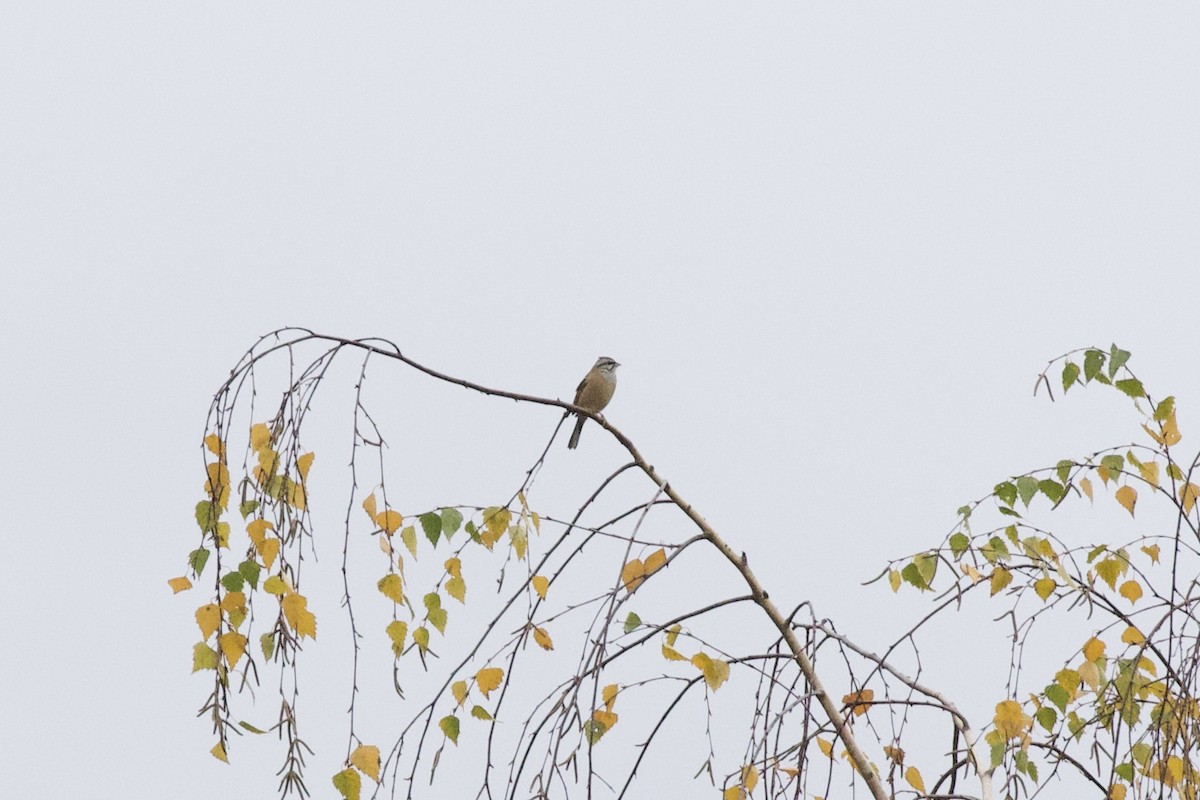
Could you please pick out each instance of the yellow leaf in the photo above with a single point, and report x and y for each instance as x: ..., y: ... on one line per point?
x: 1093, y: 649
x: 1001, y: 577
x: 716, y: 672
x: 543, y: 639
x: 1090, y: 675
x: 733, y: 793
x: 749, y: 777
x: 1188, y: 496
x: 1175, y: 768
x: 1104, y: 474
x: 861, y: 701
x: 257, y: 530
x: 303, y: 464
x: 1109, y: 570
x: 632, y: 574
x: 421, y: 637
x: 540, y: 585
x: 260, y: 436
x: 298, y: 497
x: 1116, y: 791
x: 1170, y: 429
x: 671, y: 654
x: 1011, y: 721
x: 368, y: 505
x: 233, y: 601
x: 397, y: 631
x: 894, y: 580
x: 179, y: 584
x: 1131, y: 591
x: 1086, y: 486
x: 1152, y: 551
x: 409, y: 537
x: 233, y: 645
x: 295, y: 611
x: 488, y: 679
x: 215, y: 445
x: 275, y: 585
x: 1068, y: 679
x: 1149, y: 472
x: 366, y: 758
x: 895, y: 754
x: 605, y: 718
x: 913, y: 776
x: 217, y: 485
x: 1127, y: 497
x: 609, y: 695
x: 655, y: 561
x: 1132, y: 636
x: 826, y: 747
x: 208, y: 617
x: 391, y: 588
x: 972, y: 573
x: 390, y: 521
x: 268, y: 551
x: 219, y: 752
x: 519, y: 537
x: 457, y: 588
x: 222, y: 534
x: 454, y: 567
x: 1044, y: 587
x: 673, y: 633
x: 459, y: 690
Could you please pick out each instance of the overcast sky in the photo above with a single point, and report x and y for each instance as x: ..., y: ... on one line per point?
x: 831, y: 244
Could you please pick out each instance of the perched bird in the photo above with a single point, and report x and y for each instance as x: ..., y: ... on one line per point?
x: 594, y: 392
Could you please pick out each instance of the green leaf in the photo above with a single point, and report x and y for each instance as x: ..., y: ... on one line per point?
x: 1125, y: 771
x: 1141, y: 753
x: 203, y: 657
x: 1031, y: 771
x: 1114, y: 463
x: 431, y: 523
x: 1075, y: 724
x: 995, y: 550
x: 449, y: 726
x: 479, y: 712
x: 593, y: 729
x: 1052, y: 489
x: 927, y: 564
x: 233, y: 581
x: 911, y: 575
x: 1070, y: 375
x: 348, y: 783
x: 1046, y: 717
x: 1063, y: 470
x: 197, y: 559
x: 1027, y: 487
x: 632, y: 622
x: 451, y: 520
x: 1163, y: 410
x: 1116, y: 359
x: 250, y: 571
x: 964, y: 512
x: 435, y: 612
x: 1131, y: 387
x: 1008, y: 512
x: 247, y: 726
x: 1058, y: 695
x: 247, y: 508
x: 959, y: 544
x: 267, y: 642
x: 207, y: 514
x: 473, y: 532
x: 1007, y: 492
x: 1093, y: 360
x: 997, y: 753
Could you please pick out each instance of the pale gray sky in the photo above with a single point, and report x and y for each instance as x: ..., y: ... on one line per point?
x: 832, y: 245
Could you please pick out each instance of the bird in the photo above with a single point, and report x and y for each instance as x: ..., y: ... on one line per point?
x: 594, y: 392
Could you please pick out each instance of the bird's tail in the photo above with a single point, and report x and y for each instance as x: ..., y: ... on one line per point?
x: 575, y: 433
